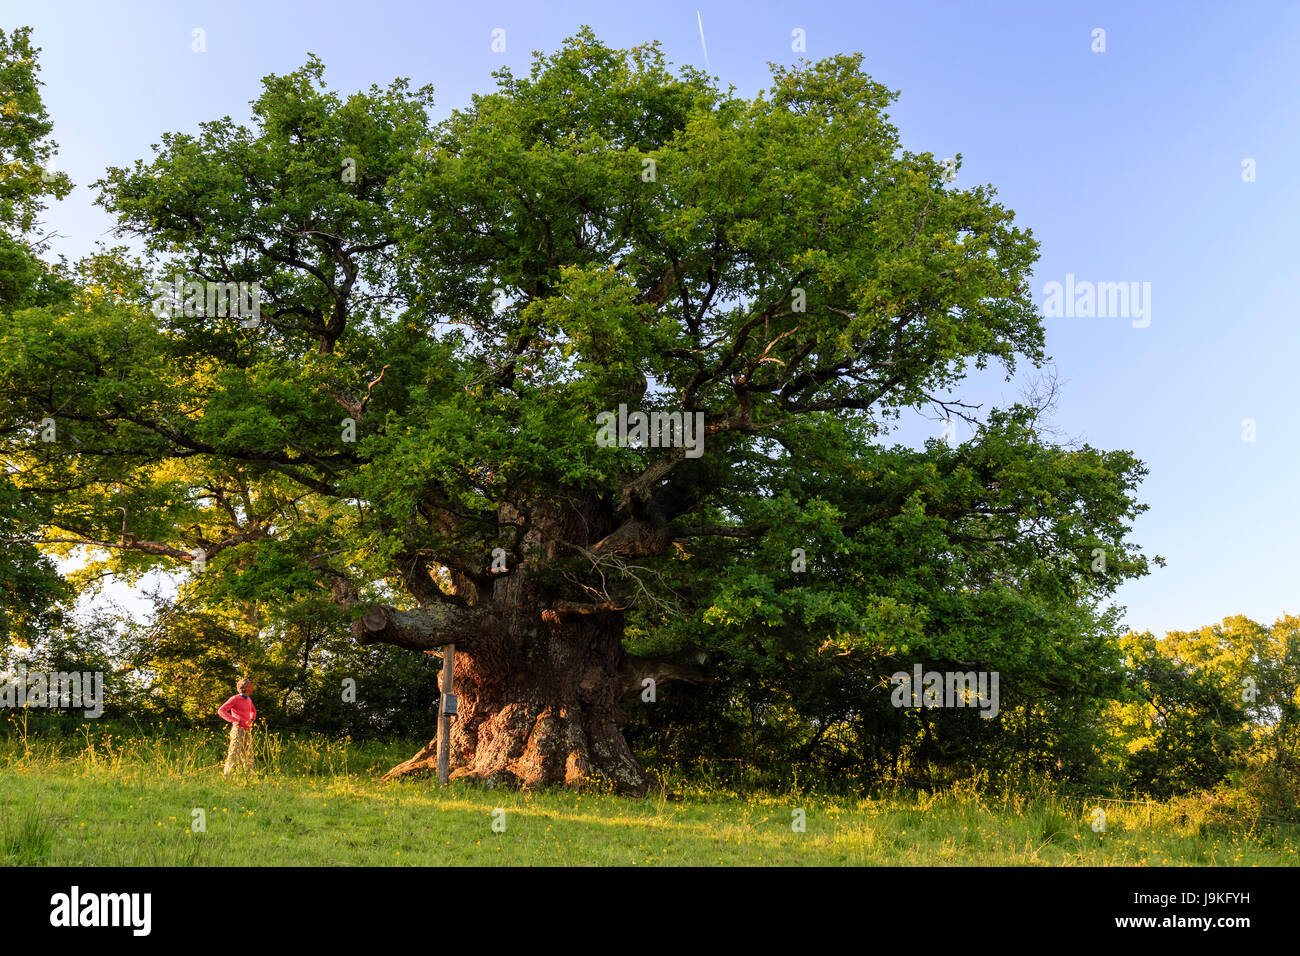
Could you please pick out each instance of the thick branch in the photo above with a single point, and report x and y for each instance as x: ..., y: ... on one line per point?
x: 423, y: 628
x: 687, y: 666
x: 634, y: 539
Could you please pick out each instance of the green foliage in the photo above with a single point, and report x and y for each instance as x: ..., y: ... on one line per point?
x: 32, y: 595
x: 1201, y: 702
x: 27, y: 177
x: 309, y: 671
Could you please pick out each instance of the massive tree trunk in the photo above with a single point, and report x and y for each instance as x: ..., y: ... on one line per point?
x: 539, y: 705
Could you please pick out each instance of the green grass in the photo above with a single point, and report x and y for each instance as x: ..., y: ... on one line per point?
x: 125, y: 801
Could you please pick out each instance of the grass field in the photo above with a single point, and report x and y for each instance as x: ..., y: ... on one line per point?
x: 131, y: 801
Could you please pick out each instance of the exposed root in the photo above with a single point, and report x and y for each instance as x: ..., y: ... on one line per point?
x: 525, y: 746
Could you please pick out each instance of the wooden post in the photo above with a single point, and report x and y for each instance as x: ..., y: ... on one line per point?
x: 444, y: 719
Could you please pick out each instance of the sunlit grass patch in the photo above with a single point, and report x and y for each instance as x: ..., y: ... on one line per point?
x: 115, y: 799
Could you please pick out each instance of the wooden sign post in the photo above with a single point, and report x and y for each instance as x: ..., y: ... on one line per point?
x: 444, y: 714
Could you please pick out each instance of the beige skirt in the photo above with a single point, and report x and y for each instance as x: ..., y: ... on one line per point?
x: 240, y: 754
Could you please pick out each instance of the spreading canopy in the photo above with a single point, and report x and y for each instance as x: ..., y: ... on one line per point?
x: 448, y: 309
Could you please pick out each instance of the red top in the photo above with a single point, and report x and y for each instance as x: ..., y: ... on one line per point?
x: 238, y: 710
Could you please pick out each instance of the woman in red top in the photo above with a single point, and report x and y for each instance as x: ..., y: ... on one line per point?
x: 240, y: 713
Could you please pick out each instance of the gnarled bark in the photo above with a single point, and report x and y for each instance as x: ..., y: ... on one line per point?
x: 539, y: 705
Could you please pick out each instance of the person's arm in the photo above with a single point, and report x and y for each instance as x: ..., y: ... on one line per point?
x: 224, y: 711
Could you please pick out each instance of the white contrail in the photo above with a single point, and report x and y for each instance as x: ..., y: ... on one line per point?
x: 702, y: 43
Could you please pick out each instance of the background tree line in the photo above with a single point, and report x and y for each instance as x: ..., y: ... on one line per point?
x: 1162, y: 716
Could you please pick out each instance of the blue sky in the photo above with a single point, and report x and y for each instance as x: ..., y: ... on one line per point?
x: 1127, y: 165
